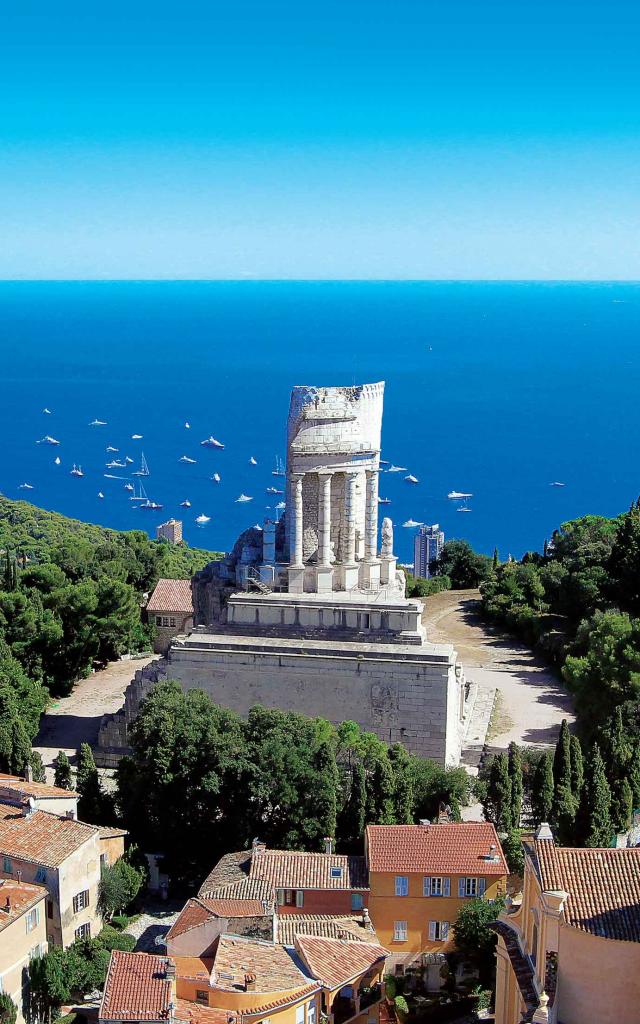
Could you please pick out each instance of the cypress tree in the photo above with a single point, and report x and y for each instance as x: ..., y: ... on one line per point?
x: 352, y: 818
x: 634, y: 776
x: 380, y: 809
x: 594, y: 819
x: 403, y: 790
x: 623, y: 812
x: 517, y: 786
x: 542, y: 790
x: 90, y: 795
x: 498, y: 809
x: 577, y: 768
x: 496, y: 559
x: 62, y: 767
x: 545, y: 549
x: 562, y: 760
x: 37, y: 767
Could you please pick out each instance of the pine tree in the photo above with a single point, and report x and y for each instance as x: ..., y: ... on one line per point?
x: 595, y: 827
x: 545, y: 549
x: 498, y: 807
x: 623, y: 812
x: 577, y: 768
x: 496, y: 559
x: 517, y: 787
x: 62, y: 768
x: 90, y: 796
x: 542, y: 790
x: 37, y: 767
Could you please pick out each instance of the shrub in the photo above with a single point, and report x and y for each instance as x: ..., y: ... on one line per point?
x: 390, y: 986
x: 402, y: 1007
x: 112, y: 939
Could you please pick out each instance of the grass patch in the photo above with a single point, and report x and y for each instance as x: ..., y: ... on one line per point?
x: 499, y: 721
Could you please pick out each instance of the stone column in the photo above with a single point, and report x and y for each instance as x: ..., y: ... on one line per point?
x: 296, y: 565
x: 350, y: 566
x: 370, y: 569
x: 324, y: 571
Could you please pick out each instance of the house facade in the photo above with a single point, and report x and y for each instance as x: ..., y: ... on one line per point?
x: 569, y: 950
x: 23, y: 936
x: 420, y: 876
x: 170, y: 609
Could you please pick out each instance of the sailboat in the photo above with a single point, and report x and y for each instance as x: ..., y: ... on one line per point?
x: 144, y: 468
x: 152, y: 506
x: 129, y: 487
x: 139, y: 495
x: 279, y: 470
x: 253, y: 461
x: 211, y: 442
x: 76, y: 471
x: 98, y: 423
x: 47, y: 439
x: 57, y: 460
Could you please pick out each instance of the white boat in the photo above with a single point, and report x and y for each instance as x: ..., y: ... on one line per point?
x: 411, y: 479
x: 98, y: 423
x: 100, y: 494
x: 556, y: 483
x: 459, y: 494
x: 25, y: 487
x: 110, y: 448
x: 202, y: 519
x: 129, y: 487
x: 113, y: 476
x: 76, y: 471
x: 397, y: 469
x: 256, y: 526
x: 464, y: 508
x: 151, y: 506
x: 139, y: 495
x: 187, y: 426
x: 384, y: 462
x: 252, y: 461
x: 116, y: 464
x: 274, y: 490
x: 47, y: 439
x: 279, y: 470
x: 46, y: 411
x: 185, y: 458
x: 244, y: 497
x: 185, y: 504
x: 281, y: 505
x: 57, y: 460
x: 216, y: 478
x: 211, y: 442
x: 127, y: 459
x: 144, y: 468
x: 410, y: 523
x: 136, y: 437
x: 384, y: 501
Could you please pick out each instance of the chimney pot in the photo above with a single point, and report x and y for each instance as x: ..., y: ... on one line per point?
x: 170, y: 970
x: 249, y: 982
x: 7, y: 905
x: 328, y: 844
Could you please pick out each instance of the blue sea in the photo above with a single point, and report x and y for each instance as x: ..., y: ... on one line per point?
x: 498, y: 389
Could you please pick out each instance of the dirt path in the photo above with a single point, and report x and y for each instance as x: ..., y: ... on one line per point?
x: 73, y: 720
x: 532, y: 701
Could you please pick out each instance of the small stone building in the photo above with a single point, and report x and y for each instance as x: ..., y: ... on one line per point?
x: 170, y: 531
x: 170, y: 608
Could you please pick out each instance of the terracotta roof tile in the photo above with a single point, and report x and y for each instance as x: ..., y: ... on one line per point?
x: 16, y: 898
x: 274, y: 968
x: 194, y: 1013
x: 247, y: 889
x: 41, y: 838
x: 171, y: 596
x: 451, y: 848
x: 38, y: 790
x: 232, y: 867
x: 197, y: 911
x: 335, y: 963
x: 326, y: 926
x: 136, y: 988
x: 108, y: 832
x: 287, y: 869
x: 603, y: 887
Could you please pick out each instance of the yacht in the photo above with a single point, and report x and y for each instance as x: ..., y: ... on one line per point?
x: 100, y: 494
x: 116, y: 464
x: 216, y: 478
x: 129, y: 487
x: 136, y: 437
x: 244, y: 497
x: 139, y: 495
x: 279, y: 470
x: 202, y: 519
x: 384, y: 501
x: 274, y: 490
x: 144, y: 468
x: 25, y: 487
x: 185, y: 504
x: 46, y: 411
x: 411, y: 479
x: 110, y: 448
x: 187, y: 426
x: 76, y: 471
x: 127, y: 459
x: 556, y: 483
x: 464, y: 508
x: 410, y: 523
x: 152, y: 506
x: 185, y: 458
x: 98, y: 423
x: 397, y: 469
x: 459, y: 494
x: 210, y: 442
x: 47, y: 439
x: 252, y: 461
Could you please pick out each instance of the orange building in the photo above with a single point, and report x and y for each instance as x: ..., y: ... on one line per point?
x: 420, y: 876
x: 569, y: 949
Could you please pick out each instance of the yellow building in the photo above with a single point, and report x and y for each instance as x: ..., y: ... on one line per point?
x: 23, y: 935
x: 419, y: 878
x: 569, y: 950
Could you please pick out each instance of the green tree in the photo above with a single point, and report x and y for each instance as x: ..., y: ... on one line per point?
x: 403, y: 782
x: 514, y: 851
x: 473, y: 936
x: 498, y: 799
x: 517, y: 787
x: 624, y: 564
x: 542, y: 790
x: 62, y: 768
x: 608, y: 672
x: 93, y: 806
x: 120, y: 883
x: 565, y: 805
x: 326, y: 783
x: 8, y: 1009
x: 496, y: 558
x: 462, y: 565
x: 562, y: 759
x: 15, y: 743
x: 595, y: 827
x: 37, y: 767
x: 352, y: 817
x: 577, y: 767
x: 49, y: 984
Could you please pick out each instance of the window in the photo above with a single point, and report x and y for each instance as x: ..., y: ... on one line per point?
x: 300, y: 1014
x: 311, y: 1013
x: 399, y: 931
x: 38, y: 950
x: 32, y: 919
x: 41, y: 875
x: 49, y: 909
x: 336, y: 872
x: 81, y: 901
x: 158, y: 620
x: 202, y: 996
x: 172, y: 621
x: 357, y: 901
x: 438, y: 931
x: 165, y: 620
x: 402, y: 885
x: 471, y: 886
x: 436, y: 886
x: 399, y: 969
x: 534, y: 944
x: 103, y: 861
x: 290, y: 897
x: 6, y: 866
x: 83, y: 932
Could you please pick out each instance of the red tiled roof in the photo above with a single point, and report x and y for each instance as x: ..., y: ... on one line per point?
x: 286, y: 869
x: 171, y: 596
x: 40, y: 837
x: 326, y: 926
x: 274, y: 968
x: 38, y: 790
x: 197, y: 911
x: 16, y: 898
x: 451, y: 848
x: 136, y: 988
x: 603, y: 887
x: 334, y: 962
x: 194, y: 1013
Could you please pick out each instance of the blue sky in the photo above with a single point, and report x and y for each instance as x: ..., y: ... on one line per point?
x: 344, y: 139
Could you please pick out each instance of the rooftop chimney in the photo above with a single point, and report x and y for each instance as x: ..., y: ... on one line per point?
x: 257, y: 844
x: 249, y: 982
x: 7, y: 905
x: 424, y: 821
x: 170, y: 969
x: 328, y: 844
x: 28, y: 807
x: 544, y: 832
x: 28, y: 773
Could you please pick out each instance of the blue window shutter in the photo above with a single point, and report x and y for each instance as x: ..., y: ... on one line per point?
x: 461, y: 887
x: 446, y: 886
x: 481, y: 886
x: 427, y: 886
x: 432, y: 931
x: 444, y: 927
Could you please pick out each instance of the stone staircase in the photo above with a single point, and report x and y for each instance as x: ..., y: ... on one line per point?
x: 521, y: 968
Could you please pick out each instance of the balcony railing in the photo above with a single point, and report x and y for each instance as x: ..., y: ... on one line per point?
x: 370, y: 995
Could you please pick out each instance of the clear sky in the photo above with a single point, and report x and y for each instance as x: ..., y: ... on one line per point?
x: 341, y: 139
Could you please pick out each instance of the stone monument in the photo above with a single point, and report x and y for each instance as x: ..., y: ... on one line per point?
x: 308, y: 614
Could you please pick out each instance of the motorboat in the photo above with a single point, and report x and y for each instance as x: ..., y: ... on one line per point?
x: 464, y: 508
x: 46, y: 411
x: 252, y: 461
x: 129, y: 487
x: 411, y: 523
x: 185, y: 458
x: 100, y: 494
x: 185, y: 504
x: 47, y: 439
x: 76, y: 471
x: 556, y: 483
x: 274, y: 490
x: 98, y: 423
x: 216, y: 478
x: 455, y: 495
x: 110, y: 448
x: 116, y: 464
x: 411, y: 479
x: 397, y: 469
x: 187, y: 426
x: 128, y: 460
x: 384, y: 501
x: 244, y: 497
x: 151, y: 506
x: 136, y: 437
x: 211, y: 442
x: 25, y: 487
x: 202, y: 519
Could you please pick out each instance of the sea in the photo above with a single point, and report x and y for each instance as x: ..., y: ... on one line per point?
x: 502, y: 390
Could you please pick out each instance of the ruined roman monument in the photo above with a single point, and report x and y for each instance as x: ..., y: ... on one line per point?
x: 309, y: 612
